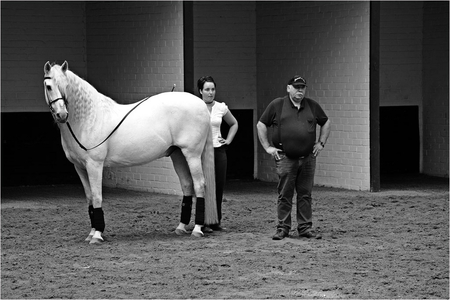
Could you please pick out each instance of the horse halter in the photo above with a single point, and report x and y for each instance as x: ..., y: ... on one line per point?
x: 50, y: 103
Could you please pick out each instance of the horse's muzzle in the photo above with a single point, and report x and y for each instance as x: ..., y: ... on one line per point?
x: 61, y: 117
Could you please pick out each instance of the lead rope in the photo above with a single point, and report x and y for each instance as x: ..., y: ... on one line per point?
x: 84, y: 148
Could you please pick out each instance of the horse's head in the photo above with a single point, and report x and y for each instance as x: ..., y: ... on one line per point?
x: 54, y: 91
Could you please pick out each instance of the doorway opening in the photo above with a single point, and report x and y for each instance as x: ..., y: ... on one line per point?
x: 240, y: 152
x: 399, y: 140
x: 32, y: 153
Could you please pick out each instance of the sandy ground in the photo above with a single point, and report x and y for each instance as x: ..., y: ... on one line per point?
x: 391, y: 244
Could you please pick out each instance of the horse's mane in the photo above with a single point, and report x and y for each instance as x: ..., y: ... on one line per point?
x: 81, y: 96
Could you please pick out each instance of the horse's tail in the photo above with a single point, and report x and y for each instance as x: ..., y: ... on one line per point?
x: 211, y: 216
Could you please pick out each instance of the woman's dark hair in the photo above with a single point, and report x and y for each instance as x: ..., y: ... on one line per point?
x: 201, y: 82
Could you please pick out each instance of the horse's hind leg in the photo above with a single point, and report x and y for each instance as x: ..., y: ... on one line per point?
x: 195, y: 167
x: 184, y: 175
x: 82, y: 173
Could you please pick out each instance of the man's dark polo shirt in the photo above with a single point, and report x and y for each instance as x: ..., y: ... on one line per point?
x: 298, y: 126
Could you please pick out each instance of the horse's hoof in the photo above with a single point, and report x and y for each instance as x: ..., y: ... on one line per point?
x: 197, y: 234
x: 89, y: 238
x: 96, y: 241
x: 180, y: 231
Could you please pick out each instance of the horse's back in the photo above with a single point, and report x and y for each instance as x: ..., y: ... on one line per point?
x: 178, y: 98
x: 183, y: 114
x: 173, y: 108
x: 180, y: 102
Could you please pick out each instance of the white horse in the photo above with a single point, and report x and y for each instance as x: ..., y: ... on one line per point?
x: 97, y: 132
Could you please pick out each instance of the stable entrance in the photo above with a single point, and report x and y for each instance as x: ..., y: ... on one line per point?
x: 399, y: 139
x: 240, y: 152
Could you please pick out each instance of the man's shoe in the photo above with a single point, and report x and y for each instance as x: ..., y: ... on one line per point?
x: 281, y: 234
x: 310, y: 235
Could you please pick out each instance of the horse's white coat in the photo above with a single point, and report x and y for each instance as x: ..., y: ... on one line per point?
x: 169, y: 119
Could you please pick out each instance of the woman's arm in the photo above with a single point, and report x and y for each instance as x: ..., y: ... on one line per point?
x: 233, y: 123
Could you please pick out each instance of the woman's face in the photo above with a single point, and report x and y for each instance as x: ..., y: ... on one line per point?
x: 208, y: 92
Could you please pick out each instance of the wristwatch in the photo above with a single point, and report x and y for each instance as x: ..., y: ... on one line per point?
x: 322, y: 144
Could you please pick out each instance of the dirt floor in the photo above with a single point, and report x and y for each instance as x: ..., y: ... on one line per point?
x: 390, y: 244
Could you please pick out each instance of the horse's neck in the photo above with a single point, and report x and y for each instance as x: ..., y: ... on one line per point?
x: 89, y: 110
x: 88, y: 106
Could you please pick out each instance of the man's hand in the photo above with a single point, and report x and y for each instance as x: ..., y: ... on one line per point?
x: 317, y: 148
x: 274, y: 152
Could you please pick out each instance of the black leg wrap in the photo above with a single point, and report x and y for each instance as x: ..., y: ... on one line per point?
x: 186, y: 208
x: 200, y: 211
x: 98, y: 220
x: 91, y: 215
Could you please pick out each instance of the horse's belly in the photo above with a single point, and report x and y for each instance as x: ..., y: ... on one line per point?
x: 136, y: 152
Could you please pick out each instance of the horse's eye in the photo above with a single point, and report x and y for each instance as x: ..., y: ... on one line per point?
x: 49, y: 88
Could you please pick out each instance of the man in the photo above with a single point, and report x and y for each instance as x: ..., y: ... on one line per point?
x: 294, y: 148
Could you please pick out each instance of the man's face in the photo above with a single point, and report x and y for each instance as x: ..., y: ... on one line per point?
x: 296, y: 93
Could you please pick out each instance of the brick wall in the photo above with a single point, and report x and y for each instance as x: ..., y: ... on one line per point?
x: 32, y: 34
x: 224, y: 47
x: 135, y: 48
x: 135, y: 51
x: 436, y: 88
x: 328, y: 44
x: 400, y: 53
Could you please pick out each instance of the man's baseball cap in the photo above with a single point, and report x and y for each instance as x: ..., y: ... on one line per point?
x: 297, y: 81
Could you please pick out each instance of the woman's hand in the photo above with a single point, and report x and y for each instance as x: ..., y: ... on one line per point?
x: 223, y: 141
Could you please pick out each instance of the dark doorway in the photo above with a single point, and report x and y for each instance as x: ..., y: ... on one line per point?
x: 240, y: 152
x: 399, y: 140
x: 31, y: 151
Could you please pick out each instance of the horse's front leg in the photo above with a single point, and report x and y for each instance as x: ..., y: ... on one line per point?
x: 95, y: 171
x: 82, y: 173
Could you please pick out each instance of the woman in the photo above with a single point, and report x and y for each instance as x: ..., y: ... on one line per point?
x: 219, y: 111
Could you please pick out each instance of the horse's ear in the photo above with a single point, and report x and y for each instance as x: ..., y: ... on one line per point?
x: 65, y: 66
x: 47, y: 67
